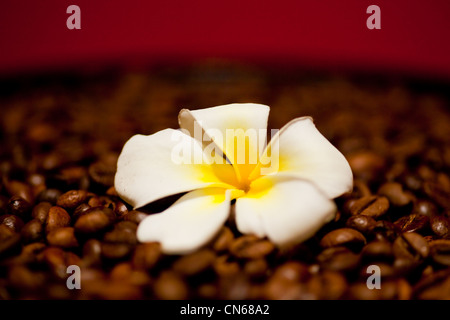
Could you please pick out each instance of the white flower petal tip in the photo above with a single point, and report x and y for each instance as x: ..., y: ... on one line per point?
x: 300, y: 150
x: 189, y: 223
x: 287, y: 211
x: 148, y: 168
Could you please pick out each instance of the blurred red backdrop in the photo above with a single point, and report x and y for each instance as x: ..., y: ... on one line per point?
x: 414, y: 35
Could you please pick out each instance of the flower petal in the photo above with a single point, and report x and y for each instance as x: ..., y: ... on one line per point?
x: 239, y: 131
x: 189, y: 223
x: 150, y: 167
x: 285, y: 210
x: 300, y: 150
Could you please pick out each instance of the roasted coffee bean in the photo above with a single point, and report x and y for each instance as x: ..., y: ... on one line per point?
x: 384, y: 230
x: 226, y: 267
x: 40, y: 211
x: 328, y: 285
x: 49, y: 195
x: 256, y: 269
x: 121, y: 235
x: 411, y: 246
x: 22, y: 278
x: 120, y: 208
x: 343, y: 236
x: 104, y: 170
x: 438, y: 193
x: 63, y: 237
x: 412, y: 223
x: 94, y: 221
x: 92, y: 253
x: 9, y: 244
x: 338, y: 259
x: 124, y: 272
x: 170, y: 286
x: 194, y: 263
x: 366, y: 165
x: 363, y: 224
x: 116, y: 251
x: 146, y: 255
x: 440, y: 252
x: 425, y: 208
x: 19, y: 206
x: 57, y: 218
x: 80, y: 210
x: 223, y: 240
x: 282, y: 290
x: 33, y: 231
x: 389, y: 290
x: 378, y: 251
x: 12, y: 221
x: 372, y: 206
x: 394, y: 192
x: 56, y: 260
x: 440, y: 226
x: 17, y: 189
x: 292, y: 271
x: 135, y: 216
x: 251, y: 247
x: 72, y: 199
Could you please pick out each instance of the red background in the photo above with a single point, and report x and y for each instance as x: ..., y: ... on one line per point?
x: 414, y: 38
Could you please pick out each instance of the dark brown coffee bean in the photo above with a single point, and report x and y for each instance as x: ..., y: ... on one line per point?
x: 343, y: 236
x: 223, y: 240
x: 40, y: 211
x: 328, y: 285
x: 338, y: 259
x: 366, y: 165
x: 412, y: 223
x: 413, y: 182
x: 438, y: 193
x: 384, y: 230
x: 256, y: 269
x: 440, y: 226
x: 440, y: 252
x: 63, y: 237
x: 121, y: 235
x: 93, y: 221
x: 378, y: 251
x: 411, y: 246
x: 116, y: 251
x: 104, y: 170
x: 92, y: 253
x: 292, y: 271
x: 22, y: 278
x: 80, y: 210
x: 377, y: 208
x: 9, y: 244
x: 251, y: 247
x: 394, y: 192
x: 225, y: 267
x: 363, y: 224
x: 57, y: 218
x: 124, y: 272
x: 194, y: 263
x: 426, y: 208
x: 17, y: 189
x: 12, y: 221
x: 19, y: 206
x: 372, y: 206
x: 283, y: 290
x: 146, y: 255
x: 49, y: 195
x: 170, y: 286
x: 120, y: 208
x: 135, y: 216
x: 55, y: 258
x: 5, y: 232
x: 72, y: 199
x: 33, y: 231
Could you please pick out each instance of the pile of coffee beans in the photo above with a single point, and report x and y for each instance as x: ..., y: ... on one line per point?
x: 61, y: 136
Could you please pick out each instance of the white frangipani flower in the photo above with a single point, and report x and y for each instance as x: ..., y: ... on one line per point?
x: 286, y: 194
